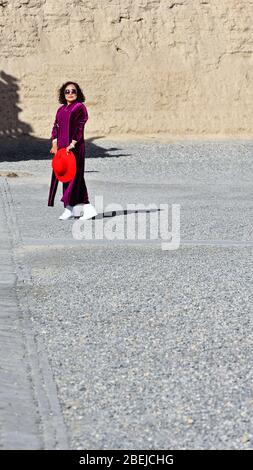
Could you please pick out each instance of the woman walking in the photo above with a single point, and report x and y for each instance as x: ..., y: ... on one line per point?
x: 68, y: 132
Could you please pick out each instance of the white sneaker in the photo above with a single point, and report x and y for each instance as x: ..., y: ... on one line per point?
x: 67, y: 214
x: 78, y: 210
x: 89, y: 211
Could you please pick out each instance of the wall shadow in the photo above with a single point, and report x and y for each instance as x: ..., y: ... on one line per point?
x: 16, y: 140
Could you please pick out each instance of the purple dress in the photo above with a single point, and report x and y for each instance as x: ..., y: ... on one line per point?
x: 69, y: 125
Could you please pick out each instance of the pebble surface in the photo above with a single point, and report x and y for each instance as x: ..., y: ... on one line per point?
x: 149, y: 349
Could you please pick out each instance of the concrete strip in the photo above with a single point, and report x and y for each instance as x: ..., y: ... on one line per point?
x: 30, y: 415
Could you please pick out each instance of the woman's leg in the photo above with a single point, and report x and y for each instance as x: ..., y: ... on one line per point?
x: 75, y: 191
x: 53, y: 189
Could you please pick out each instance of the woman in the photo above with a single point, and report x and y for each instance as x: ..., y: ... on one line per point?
x: 67, y: 131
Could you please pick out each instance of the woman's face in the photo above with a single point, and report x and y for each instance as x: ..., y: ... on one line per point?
x: 71, y: 95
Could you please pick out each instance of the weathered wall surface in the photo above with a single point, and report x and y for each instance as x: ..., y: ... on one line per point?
x: 145, y: 66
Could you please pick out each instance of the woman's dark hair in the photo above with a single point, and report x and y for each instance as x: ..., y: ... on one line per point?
x: 80, y: 96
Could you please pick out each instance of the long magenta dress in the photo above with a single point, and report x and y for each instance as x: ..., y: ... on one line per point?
x: 69, y: 125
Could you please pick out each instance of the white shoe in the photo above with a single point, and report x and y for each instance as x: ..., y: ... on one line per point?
x: 89, y: 211
x: 67, y: 214
x: 78, y: 210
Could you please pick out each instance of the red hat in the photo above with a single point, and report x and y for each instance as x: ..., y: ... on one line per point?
x: 64, y: 165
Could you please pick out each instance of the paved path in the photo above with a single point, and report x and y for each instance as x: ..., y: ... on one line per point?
x: 30, y: 416
x: 130, y: 346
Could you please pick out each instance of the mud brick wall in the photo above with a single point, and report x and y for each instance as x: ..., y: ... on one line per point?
x: 145, y: 66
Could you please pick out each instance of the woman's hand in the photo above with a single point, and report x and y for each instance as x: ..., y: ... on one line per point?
x: 71, y: 146
x: 54, y: 148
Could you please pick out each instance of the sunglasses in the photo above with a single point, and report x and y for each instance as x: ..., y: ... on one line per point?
x: 72, y: 92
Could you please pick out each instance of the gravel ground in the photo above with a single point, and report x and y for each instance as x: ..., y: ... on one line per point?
x: 149, y: 349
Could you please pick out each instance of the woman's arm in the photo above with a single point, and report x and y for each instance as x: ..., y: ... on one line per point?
x: 80, y: 120
x: 54, y: 132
